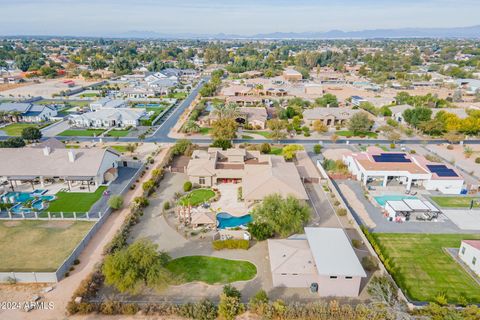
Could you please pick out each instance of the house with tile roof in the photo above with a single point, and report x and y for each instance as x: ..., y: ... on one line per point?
x: 26, y: 112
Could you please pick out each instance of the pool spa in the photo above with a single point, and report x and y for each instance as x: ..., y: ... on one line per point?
x: 382, y: 200
x: 227, y: 221
x: 27, y: 201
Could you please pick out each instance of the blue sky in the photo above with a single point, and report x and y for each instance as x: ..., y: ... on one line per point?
x: 109, y: 17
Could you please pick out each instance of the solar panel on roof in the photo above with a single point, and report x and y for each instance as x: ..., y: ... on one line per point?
x: 391, y: 157
x: 442, y: 170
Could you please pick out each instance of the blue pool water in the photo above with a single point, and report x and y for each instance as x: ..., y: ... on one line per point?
x: 147, y: 105
x: 226, y: 220
x: 381, y: 200
x: 19, y: 198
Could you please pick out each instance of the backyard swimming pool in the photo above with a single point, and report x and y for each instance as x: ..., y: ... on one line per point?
x: 381, y: 200
x: 35, y: 199
x: 226, y: 220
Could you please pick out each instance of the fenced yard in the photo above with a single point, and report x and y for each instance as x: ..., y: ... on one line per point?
x: 39, y: 246
x: 424, y: 270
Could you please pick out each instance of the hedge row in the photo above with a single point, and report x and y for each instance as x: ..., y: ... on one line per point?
x: 231, y: 244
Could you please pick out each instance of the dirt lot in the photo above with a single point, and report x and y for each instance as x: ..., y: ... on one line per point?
x: 46, y: 88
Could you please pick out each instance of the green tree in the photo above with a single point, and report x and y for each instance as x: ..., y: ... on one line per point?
x: 289, y: 151
x: 230, y: 305
x: 360, y: 122
x: 261, y: 230
x: 181, y: 147
x: 277, y: 127
x: 224, y: 129
x: 265, y: 148
x: 31, y: 133
x: 14, y: 142
x: 319, y: 126
x: 417, y: 115
x: 327, y: 100
x: 115, y: 202
x: 187, y: 186
x: 317, y: 148
x: 285, y: 215
x: 136, y: 266
x: 220, y: 143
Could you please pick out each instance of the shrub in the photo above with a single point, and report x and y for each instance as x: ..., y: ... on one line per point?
x: 240, y: 194
x: 441, y: 299
x: 257, y: 301
x: 260, y: 230
x: 166, y: 205
x: 392, y: 145
x: 76, y: 262
x: 231, y: 244
x: 187, y: 186
x: 477, y: 160
x: 231, y: 291
x: 317, y: 148
x: 115, y: 202
x: 336, y: 203
x: 142, y: 202
x: 356, y: 243
x: 265, y: 148
x: 204, y: 310
x: 370, y: 263
x: 129, y: 309
x: 450, y: 147
x: 341, y: 212
x: 229, y: 307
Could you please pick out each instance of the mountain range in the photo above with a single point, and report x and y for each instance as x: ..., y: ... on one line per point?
x: 457, y: 32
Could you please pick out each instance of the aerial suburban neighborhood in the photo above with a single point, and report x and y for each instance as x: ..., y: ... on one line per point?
x: 212, y: 176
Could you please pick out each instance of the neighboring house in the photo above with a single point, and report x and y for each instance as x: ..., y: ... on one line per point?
x: 245, y: 100
x: 95, y: 166
x: 374, y: 164
x: 470, y: 254
x: 138, y: 92
x: 27, y: 112
x: 397, y: 112
x: 471, y: 86
x: 292, y: 75
x: 323, y: 256
x: 377, y: 102
x: 331, y: 117
x: 107, y: 103
x: 107, y: 118
x: 256, y: 117
x: 357, y: 100
x: 259, y: 174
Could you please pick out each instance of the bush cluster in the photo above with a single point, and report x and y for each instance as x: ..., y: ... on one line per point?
x: 231, y: 244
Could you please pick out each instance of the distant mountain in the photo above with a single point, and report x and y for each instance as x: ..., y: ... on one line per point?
x: 460, y: 32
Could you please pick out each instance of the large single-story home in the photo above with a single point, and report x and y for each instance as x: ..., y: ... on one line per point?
x: 397, y: 112
x: 331, y: 117
x: 107, y: 118
x: 470, y: 254
x: 375, y: 101
x: 107, y: 103
x: 26, y: 112
x: 322, y: 257
x: 95, y: 166
x: 259, y: 174
x: 291, y: 75
x: 405, y: 169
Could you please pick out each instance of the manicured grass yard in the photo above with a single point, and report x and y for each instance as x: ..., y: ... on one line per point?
x: 456, y: 202
x: 247, y: 137
x: 118, y: 133
x: 211, y: 270
x: 38, y: 245
x: 265, y: 134
x: 276, y: 151
x: 15, y: 129
x: 424, y: 270
x: 205, y: 131
x: 197, y: 197
x: 347, y: 133
x: 75, y: 201
x: 81, y: 133
x: 120, y: 148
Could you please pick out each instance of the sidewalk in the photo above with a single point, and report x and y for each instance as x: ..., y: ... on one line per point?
x: 92, y: 255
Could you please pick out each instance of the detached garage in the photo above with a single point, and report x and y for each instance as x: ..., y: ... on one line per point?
x: 322, y: 258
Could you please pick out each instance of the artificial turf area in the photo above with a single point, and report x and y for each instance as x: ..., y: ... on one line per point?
x: 197, y: 197
x: 81, y: 133
x: 456, y: 202
x: 69, y: 202
x: 424, y: 270
x: 38, y: 245
x: 15, y: 129
x: 211, y: 270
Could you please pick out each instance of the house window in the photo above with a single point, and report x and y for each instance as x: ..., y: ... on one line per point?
x: 463, y: 250
x: 474, y: 260
x: 201, y: 180
x: 333, y: 277
x: 348, y: 277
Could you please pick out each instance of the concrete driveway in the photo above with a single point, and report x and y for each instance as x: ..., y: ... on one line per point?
x: 55, y: 129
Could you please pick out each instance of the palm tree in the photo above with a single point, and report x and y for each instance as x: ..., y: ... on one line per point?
x: 226, y: 111
x: 191, y: 127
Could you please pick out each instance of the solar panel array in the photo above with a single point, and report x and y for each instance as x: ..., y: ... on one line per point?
x: 441, y: 170
x: 391, y: 157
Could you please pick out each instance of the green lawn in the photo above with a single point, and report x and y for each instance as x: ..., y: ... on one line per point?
x: 177, y: 95
x: 118, y: 133
x: 81, y: 133
x: 347, y: 133
x: 38, y: 245
x: 423, y: 269
x: 89, y: 95
x: 276, y: 151
x: 211, y: 270
x: 15, y: 129
x: 74, y: 201
x: 205, y: 131
x: 72, y: 146
x: 456, y: 202
x: 247, y: 137
x: 120, y: 148
x: 197, y: 197
x: 265, y: 134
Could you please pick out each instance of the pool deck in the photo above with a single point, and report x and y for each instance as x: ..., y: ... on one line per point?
x: 228, y: 201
